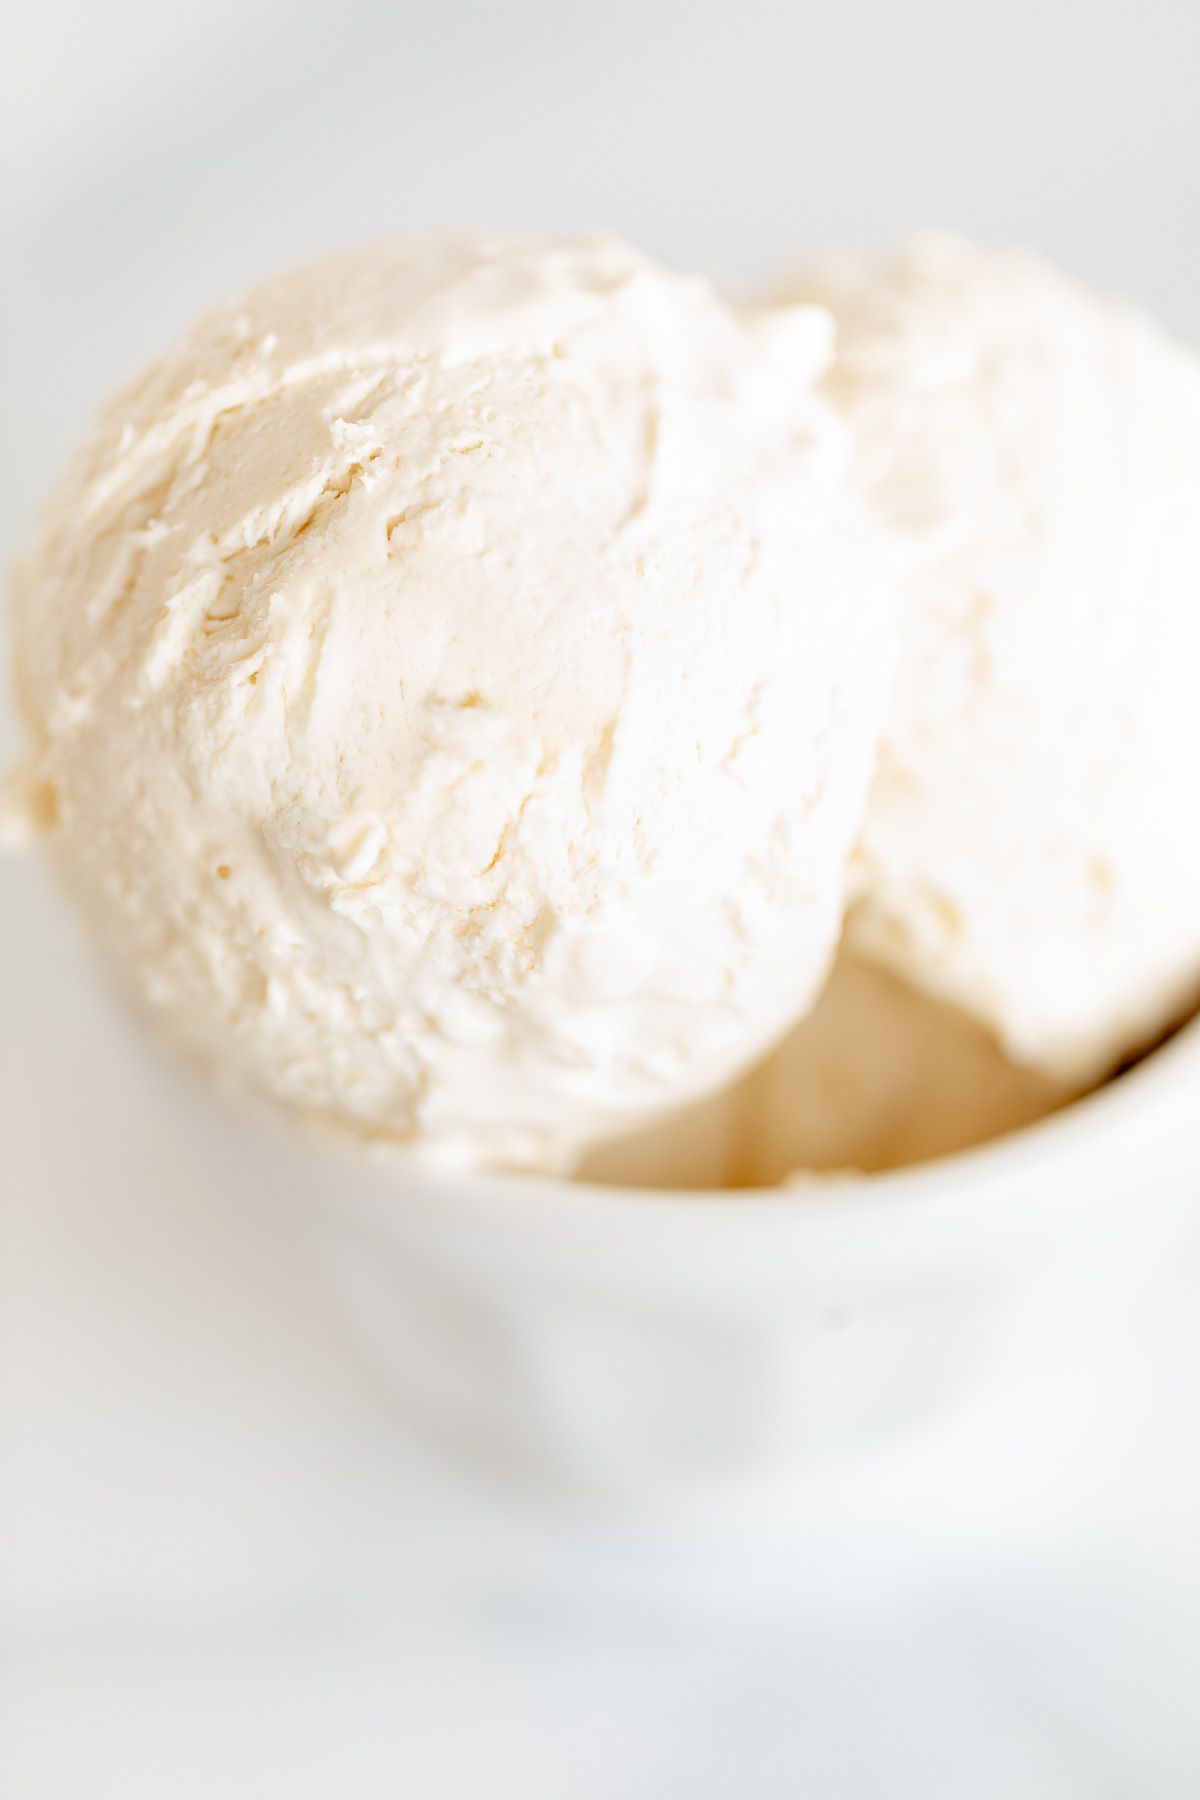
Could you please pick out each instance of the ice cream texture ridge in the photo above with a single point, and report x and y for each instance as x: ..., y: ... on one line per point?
x: 473, y: 685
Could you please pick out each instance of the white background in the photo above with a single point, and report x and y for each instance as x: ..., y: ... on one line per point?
x: 223, y: 1569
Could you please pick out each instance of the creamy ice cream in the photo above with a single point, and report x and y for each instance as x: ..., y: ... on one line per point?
x: 878, y: 1076
x: 454, y: 671
x: 1029, y: 852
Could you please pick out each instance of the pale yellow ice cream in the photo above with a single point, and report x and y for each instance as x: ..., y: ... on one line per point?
x: 454, y: 671
x: 878, y: 1076
x: 1030, y: 851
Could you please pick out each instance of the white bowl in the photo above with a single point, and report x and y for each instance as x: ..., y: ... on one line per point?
x: 680, y: 1352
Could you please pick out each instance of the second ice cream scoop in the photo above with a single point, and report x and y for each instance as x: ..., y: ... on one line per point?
x: 1030, y: 851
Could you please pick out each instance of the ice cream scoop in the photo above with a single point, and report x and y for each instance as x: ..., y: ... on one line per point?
x: 454, y: 672
x: 1030, y: 851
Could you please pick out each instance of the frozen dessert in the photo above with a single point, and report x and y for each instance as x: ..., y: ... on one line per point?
x: 454, y: 673
x: 879, y: 1076
x: 1029, y: 853
x: 462, y: 695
